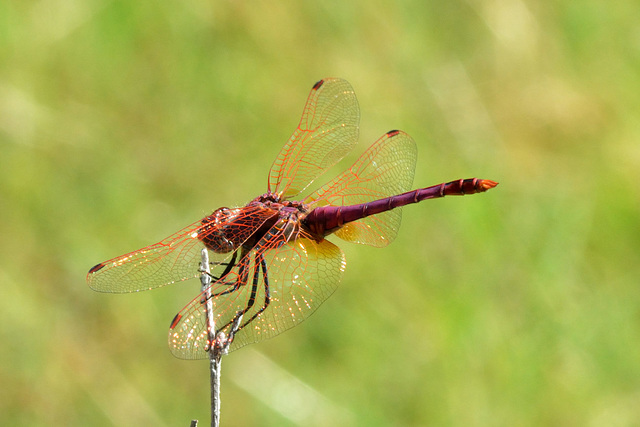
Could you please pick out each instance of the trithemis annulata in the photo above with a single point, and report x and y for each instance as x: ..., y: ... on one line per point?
x: 271, y: 259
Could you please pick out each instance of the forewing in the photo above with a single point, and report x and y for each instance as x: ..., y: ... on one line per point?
x: 385, y: 169
x: 174, y: 259
x: 301, y: 274
x: 328, y: 130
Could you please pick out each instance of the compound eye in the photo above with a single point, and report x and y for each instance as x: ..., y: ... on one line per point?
x: 216, y: 227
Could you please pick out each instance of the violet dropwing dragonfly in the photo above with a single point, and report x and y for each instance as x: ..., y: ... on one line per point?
x: 271, y: 261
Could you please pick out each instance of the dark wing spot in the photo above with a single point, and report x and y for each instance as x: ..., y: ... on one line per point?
x: 392, y: 133
x: 175, y: 321
x: 96, y: 268
x: 317, y: 85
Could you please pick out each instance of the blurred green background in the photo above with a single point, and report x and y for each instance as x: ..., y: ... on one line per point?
x: 122, y: 122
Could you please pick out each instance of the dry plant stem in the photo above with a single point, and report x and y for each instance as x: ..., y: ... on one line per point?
x: 215, y: 358
x: 219, y: 343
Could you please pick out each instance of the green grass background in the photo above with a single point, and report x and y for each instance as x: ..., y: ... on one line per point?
x: 121, y: 122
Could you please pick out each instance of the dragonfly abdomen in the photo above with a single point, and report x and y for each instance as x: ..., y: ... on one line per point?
x: 325, y: 220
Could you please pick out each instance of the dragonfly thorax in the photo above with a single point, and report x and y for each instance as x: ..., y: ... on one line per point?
x: 275, y: 202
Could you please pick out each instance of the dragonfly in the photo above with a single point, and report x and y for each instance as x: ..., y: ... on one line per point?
x: 272, y: 262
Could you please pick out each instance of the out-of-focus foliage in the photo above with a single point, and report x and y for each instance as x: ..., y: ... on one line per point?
x: 121, y: 122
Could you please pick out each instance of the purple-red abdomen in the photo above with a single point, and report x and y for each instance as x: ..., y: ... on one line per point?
x: 325, y: 220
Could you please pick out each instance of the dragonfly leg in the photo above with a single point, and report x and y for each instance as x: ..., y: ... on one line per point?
x: 241, y: 281
x: 259, y: 264
x: 267, y: 295
x: 228, y: 266
x: 254, y: 290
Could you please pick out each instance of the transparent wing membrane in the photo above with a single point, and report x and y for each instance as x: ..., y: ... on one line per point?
x: 384, y: 170
x: 328, y: 130
x: 174, y: 259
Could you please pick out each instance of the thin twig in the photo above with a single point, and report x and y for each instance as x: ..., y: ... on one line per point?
x: 215, y: 363
x: 218, y: 343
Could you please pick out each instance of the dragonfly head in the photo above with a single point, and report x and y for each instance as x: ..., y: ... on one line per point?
x: 214, y: 231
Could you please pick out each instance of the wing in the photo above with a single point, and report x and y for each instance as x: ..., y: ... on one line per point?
x: 384, y: 170
x: 282, y: 282
x: 328, y: 130
x: 177, y: 257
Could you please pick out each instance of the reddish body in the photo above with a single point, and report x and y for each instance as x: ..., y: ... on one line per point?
x: 271, y: 260
x: 323, y: 221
